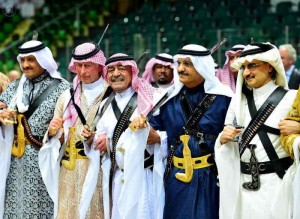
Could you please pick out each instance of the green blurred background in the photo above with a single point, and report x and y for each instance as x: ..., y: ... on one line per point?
x: 134, y: 26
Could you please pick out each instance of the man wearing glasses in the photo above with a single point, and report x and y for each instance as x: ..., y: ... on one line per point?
x: 254, y: 182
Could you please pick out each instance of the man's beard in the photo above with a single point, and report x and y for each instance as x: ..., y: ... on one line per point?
x: 162, y: 82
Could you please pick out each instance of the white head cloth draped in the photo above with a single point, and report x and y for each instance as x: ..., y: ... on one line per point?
x: 86, y: 52
x: 265, y: 52
x: 44, y: 57
x: 142, y: 87
x: 204, y: 64
x: 225, y: 75
x: 161, y: 58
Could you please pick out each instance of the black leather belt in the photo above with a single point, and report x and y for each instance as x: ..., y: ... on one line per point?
x: 78, y: 145
x: 198, y: 136
x: 148, y: 161
x: 267, y: 167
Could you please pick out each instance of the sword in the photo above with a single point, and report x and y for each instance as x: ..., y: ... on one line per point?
x: 218, y: 45
x: 53, y: 132
x: 103, y: 34
x: 154, y: 108
x: 142, y: 56
x: 35, y: 35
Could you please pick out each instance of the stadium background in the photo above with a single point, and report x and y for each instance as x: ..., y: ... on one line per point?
x: 136, y: 25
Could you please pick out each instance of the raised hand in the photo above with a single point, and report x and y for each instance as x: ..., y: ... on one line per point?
x: 101, y: 143
x: 228, y: 134
x: 288, y: 127
x: 55, y: 125
x: 7, y: 114
x: 138, y: 123
x: 88, y: 135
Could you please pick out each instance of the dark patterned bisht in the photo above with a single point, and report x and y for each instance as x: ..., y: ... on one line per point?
x: 26, y: 195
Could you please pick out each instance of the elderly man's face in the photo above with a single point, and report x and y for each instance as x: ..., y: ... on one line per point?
x: 162, y: 74
x: 30, y: 66
x: 256, y: 73
x: 286, y: 60
x: 88, y: 72
x: 119, y: 77
x: 188, y: 75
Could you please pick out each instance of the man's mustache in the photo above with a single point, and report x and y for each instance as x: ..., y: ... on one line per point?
x: 249, y: 77
x: 25, y: 69
x: 162, y: 74
x: 183, y: 73
x: 119, y: 78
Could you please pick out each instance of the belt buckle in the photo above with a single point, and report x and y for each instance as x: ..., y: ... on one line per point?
x: 261, y: 167
x: 247, y: 166
x: 199, y: 135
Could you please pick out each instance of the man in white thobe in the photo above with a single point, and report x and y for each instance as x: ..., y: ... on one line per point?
x: 132, y: 175
x: 254, y: 184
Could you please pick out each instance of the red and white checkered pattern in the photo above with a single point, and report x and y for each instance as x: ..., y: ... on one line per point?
x: 225, y: 75
x: 85, y: 48
x: 148, y: 73
x: 99, y: 58
x: 142, y: 87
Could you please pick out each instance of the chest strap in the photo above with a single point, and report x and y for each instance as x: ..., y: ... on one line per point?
x: 40, y: 99
x: 121, y: 126
x: 273, y: 99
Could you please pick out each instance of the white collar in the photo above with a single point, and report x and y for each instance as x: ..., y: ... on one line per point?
x: 93, y: 90
x: 267, y: 88
x: 127, y: 92
x: 95, y: 84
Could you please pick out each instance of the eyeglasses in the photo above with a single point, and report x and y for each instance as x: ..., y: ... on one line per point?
x: 251, y: 66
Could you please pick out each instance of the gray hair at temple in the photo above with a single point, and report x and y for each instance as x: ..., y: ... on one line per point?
x: 291, y: 52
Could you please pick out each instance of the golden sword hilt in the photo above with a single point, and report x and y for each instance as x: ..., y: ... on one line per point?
x: 18, y: 147
x: 188, y: 164
x: 12, y: 120
x: 137, y: 124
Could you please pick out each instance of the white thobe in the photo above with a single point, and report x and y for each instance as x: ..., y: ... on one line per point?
x: 134, y: 188
x: 235, y: 201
